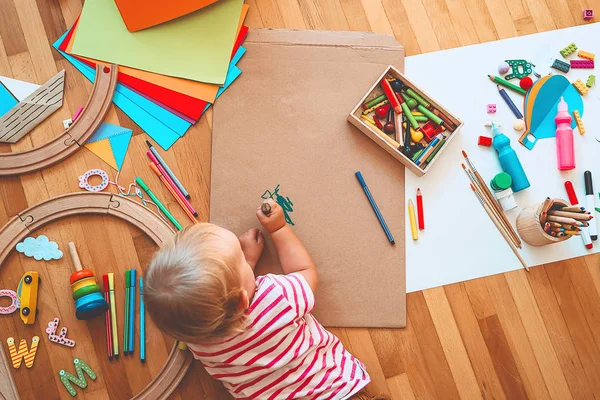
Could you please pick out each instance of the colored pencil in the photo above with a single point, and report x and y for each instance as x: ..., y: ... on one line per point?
x: 142, y: 322
x: 413, y: 222
x: 162, y: 208
x: 126, y: 315
x: 109, y: 348
x: 132, y: 281
x: 420, y: 210
x: 506, y: 84
x: 182, y: 201
x: 499, y: 226
x: 374, y: 206
x: 575, y: 208
x: 169, y: 172
x: 113, y: 314
x: 510, y: 103
x: 578, y: 216
x: 478, y: 181
x: 565, y: 220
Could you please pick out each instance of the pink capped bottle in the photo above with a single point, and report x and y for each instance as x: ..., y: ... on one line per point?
x: 565, y: 149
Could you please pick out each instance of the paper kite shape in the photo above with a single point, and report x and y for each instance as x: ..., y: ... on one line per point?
x: 110, y: 143
x: 40, y: 248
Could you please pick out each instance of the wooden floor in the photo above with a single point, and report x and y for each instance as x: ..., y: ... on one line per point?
x: 510, y: 336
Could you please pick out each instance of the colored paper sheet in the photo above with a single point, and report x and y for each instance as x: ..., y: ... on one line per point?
x: 161, y: 125
x: 196, y: 46
x: 233, y: 74
x: 186, y: 107
x: 7, y: 100
x: 142, y: 14
x: 199, y: 90
x: 110, y: 143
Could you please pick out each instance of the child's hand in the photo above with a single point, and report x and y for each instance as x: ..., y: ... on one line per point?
x: 275, y: 220
x: 253, y: 243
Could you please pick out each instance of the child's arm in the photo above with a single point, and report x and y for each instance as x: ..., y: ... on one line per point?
x: 291, y: 251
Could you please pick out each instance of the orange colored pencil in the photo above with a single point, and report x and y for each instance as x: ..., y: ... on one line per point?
x: 173, y: 193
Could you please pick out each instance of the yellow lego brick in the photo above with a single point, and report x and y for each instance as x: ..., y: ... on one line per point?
x: 586, y: 55
x: 580, y: 86
x: 579, y: 122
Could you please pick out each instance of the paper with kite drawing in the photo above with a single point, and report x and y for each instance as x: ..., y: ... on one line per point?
x: 22, y: 118
x: 280, y: 132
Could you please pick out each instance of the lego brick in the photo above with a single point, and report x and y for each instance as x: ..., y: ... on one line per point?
x: 484, y: 141
x: 579, y: 122
x: 590, y: 81
x: 561, y: 65
x: 588, y: 14
x: 582, y: 63
x: 570, y: 49
x: 491, y: 108
x: 586, y: 55
x: 580, y: 86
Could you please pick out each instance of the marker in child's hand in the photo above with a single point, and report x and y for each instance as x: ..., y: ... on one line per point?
x: 265, y: 208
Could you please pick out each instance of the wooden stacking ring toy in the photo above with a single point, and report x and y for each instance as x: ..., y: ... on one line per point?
x: 48, y: 211
x: 89, y: 301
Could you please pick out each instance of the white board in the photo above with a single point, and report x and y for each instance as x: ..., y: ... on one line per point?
x: 460, y: 242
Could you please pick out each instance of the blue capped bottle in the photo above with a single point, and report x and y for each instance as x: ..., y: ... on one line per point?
x: 509, y: 160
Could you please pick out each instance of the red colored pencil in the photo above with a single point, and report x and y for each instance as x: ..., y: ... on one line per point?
x: 420, y: 210
x: 108, y: 320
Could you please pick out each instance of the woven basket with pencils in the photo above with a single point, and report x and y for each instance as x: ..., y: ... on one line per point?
x: 530, y: 228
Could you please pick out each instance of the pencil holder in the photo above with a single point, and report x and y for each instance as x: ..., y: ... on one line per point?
x: 530, y: 228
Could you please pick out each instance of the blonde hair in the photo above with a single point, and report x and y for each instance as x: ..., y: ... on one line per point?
x: 193, y: 285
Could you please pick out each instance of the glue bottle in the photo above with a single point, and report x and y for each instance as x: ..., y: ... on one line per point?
x: 509, y: 161
x: 565, y: 151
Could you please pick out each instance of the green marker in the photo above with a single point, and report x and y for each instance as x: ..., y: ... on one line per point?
x: 418, y: 98
x: 409, y: 116
x: 430, y: 115
x: 162, y: 208
x: 506, y: 84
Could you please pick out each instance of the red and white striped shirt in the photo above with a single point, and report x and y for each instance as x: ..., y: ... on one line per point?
x: 283, y: 353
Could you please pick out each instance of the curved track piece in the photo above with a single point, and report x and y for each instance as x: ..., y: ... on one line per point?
x: 71, y: 204
x: 73, y: 138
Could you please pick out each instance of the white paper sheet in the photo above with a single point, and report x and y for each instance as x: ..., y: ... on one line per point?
x: 19, y: 89
x: 460, y: 242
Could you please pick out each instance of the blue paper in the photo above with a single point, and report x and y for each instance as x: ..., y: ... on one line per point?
x: 117, y: 136
x: 7, y: 100
x: 161, y: 125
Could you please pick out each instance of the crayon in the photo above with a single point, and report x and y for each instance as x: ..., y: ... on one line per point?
x: 506, y: 84
x: 417, y: 97
x: 413, y: 223
x: 391, y: 96
x: 509, y: 102
x: 430, y: 115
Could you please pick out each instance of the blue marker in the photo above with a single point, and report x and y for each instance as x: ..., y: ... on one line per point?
x: 509, y: 160
x: 142, y: 323
x: 130, y: 342
x: 375, y: 208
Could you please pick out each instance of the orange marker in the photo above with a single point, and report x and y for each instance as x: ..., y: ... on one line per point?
x: 389, y: 93
x: 173, y: 193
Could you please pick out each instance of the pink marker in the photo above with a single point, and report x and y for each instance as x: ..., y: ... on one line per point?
x: 77, y: 114
x: 565, y: 149
x: 187, y: 203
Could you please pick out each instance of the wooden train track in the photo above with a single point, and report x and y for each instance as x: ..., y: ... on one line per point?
x: 71, y: 204
x: 73, y: 138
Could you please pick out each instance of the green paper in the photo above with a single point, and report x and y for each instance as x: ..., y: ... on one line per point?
x: 196, y: 46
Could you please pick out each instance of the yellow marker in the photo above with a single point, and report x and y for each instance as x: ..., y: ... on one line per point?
x: 413, y: 220
x: 113, y: 313
x: 579, y: 122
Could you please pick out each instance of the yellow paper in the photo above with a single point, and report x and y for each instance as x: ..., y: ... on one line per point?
x: 196, y: 46
x: 198, y: 90
x: 103, y: 150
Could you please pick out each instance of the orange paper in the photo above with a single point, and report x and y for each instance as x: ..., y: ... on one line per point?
x: 142, y: 14
x: 198, y: 90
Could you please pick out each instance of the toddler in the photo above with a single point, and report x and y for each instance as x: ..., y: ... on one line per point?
x: 256, y: 335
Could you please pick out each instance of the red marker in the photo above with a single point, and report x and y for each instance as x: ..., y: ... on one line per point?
x: 420, y: 210
x: 109, y: 347
x: 571, y: 193
x: 389, y: 93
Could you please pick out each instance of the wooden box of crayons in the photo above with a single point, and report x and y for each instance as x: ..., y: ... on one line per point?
x: 412, y: 127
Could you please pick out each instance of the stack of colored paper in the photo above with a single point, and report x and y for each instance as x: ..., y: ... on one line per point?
x: 168, y: 74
